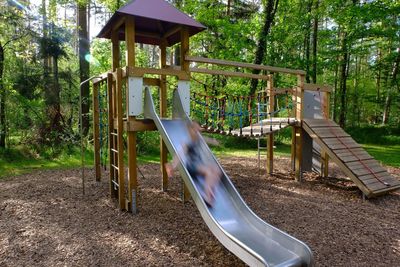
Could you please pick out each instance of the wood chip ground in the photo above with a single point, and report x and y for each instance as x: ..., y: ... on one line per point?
x: 45, y: 220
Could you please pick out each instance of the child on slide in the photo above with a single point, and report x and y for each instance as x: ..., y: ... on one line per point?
x: 197, y: 163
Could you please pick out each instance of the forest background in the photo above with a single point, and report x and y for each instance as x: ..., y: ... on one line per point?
x: 47, y: 47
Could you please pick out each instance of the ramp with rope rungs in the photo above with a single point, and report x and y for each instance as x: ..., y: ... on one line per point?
x: 362, y: 168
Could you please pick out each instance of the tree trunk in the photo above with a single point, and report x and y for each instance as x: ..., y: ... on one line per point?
x: 83, y: 50
x: 3, y: 127
x: 378, y: 88
x: 307, y: 41
x: 270, y: 11
x: 315, y: 43
x: 343, y: 80
x: 388, y: 101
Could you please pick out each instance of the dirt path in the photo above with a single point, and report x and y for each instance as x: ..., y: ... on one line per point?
x: 45, y: 220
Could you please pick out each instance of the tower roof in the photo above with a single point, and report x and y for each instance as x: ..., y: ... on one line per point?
x: 154, y: 19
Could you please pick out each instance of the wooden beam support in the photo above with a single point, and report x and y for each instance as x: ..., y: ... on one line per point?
x: 140, y: 72
x: 270, y: 137
x: 229, y: 73
x: 111, y: 145
x: 132, y: 200
x: 243, y: 65
x: 298, y: 130
x: 163, y: 114
x: 96, y: 131
x: 317, y: 87
x: 172, y: 31
x: 115, y: 50
x: 120, y: 142
x: 185, y: 68
x: 151, y: 82
x: 140, y: 125
x: 324, y: 155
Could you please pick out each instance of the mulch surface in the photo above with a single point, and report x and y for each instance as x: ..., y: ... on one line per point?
x: 46, y: 221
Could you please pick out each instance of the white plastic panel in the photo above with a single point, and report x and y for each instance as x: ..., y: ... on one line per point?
x: 135, y: 95
x: 184, y: 92
x: 312, y: 105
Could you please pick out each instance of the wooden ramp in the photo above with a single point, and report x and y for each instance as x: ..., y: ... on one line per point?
x: 362, y: 168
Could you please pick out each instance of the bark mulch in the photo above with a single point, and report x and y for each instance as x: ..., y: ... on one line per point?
x: 45, y: 220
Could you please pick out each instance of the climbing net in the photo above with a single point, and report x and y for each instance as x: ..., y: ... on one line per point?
x: 225, y: 113
x: 103, y: 122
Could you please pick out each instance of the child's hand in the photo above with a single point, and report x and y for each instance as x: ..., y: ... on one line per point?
x: 169, y: 169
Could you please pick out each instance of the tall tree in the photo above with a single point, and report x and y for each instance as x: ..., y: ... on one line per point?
x: 270, y: 10
x: 12, y: 29
x: 315, y: 42
x: 83, y: 51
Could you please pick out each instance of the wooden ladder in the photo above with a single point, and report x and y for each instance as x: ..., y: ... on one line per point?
x: 116, y: 146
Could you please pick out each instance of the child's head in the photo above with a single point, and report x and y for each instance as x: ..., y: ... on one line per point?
x: 193, y: 129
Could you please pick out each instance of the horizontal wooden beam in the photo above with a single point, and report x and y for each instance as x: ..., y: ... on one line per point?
x: 148, y: 34
x: 243, y: 65
x: 140, y: 72
x: 317, y: 87
x: 151, y: 81
x: 138, y: 125
x: 172, y: 31
x: 229, y: 73
x: 282, y: 91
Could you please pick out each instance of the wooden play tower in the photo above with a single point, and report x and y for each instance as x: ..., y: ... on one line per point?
x: 156, y: 22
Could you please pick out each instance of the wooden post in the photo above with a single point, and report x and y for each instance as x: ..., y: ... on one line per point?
x: 298, y: 129
x: 115, y: 50
x: 132, y: 203
x: 120, y: 141
x: 96, y: 131
x: 112, y: 110
x: 113, y: 193
x: 185, y: 67
x: 324, y: 155
x: 163, y: 114
x: 293, y: 146
x: 270, y: 137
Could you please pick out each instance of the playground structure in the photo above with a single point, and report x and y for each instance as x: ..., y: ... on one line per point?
x: 119, y: 94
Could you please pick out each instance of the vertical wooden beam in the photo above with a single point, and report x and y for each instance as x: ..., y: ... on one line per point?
x: 113, y: 193
x: 185, y: 67
x: 112, y: 111
x: 298, y: 129
x: 293, y: 146
x: 115, y: 50
x: 96, y: 131
x: 270, y: 137
x: 132, y: 203
x: 120, y: 142
x: 163, y: 114
x: 324, y: 155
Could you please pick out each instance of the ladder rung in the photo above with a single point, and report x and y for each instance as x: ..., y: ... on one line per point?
x: 115, y: 134
x: 114, y: 150
x: 115, y: 167
x: 115, y: 183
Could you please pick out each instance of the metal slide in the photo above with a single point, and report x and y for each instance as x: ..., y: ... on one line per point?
x: 230, y: 219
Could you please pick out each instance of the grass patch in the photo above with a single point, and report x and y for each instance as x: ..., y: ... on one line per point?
x: 19, y: 161
x: 388, y: 155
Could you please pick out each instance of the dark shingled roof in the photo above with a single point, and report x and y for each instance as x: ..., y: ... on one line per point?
x: 153, y: 18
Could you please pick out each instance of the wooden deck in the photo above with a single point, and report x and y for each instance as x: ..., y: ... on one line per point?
x: 366, y: 172
x: 263, y: 128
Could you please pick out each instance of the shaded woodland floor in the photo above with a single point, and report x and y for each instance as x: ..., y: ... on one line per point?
x: 45, y: 220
